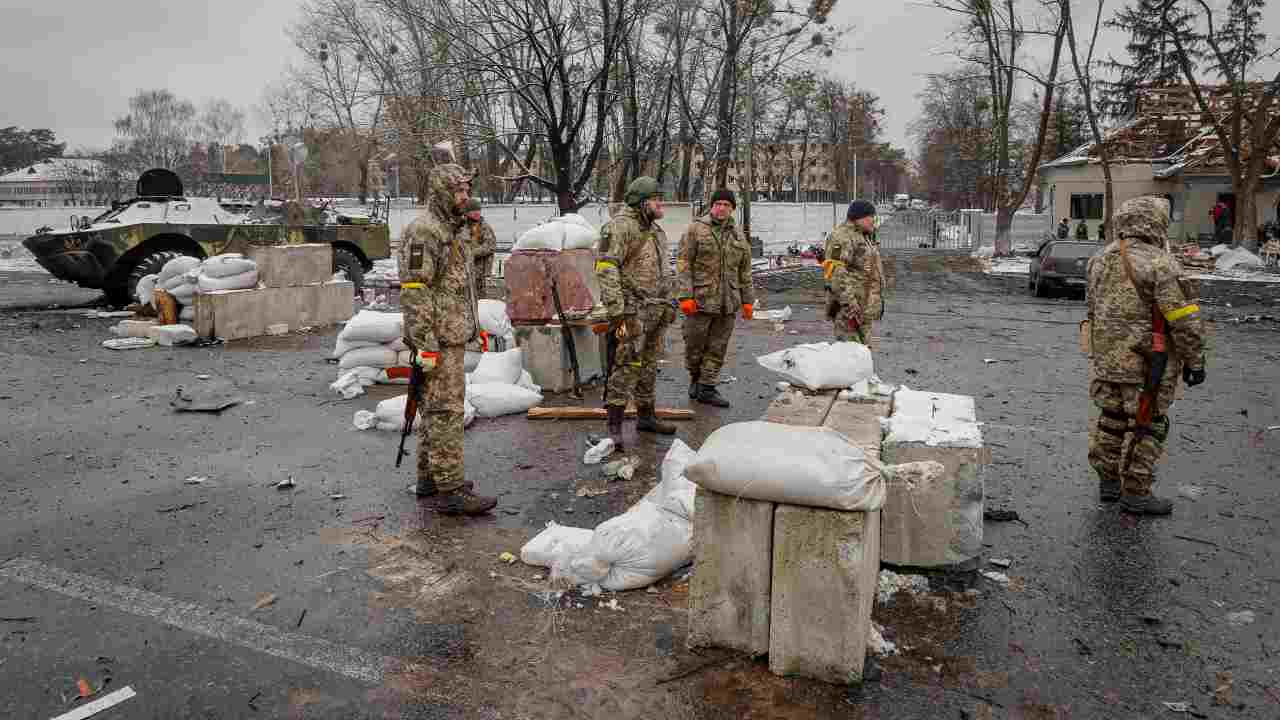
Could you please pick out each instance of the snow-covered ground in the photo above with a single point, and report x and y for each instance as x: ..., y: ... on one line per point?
x: 1022, y: 266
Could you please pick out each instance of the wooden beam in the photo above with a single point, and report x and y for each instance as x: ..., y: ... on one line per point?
x: 586, y: 413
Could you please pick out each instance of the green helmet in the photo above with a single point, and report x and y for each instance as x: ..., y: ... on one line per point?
x: 1145, y: 218
x: 641, y: 189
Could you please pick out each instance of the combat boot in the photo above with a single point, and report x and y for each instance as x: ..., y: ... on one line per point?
x: 1146, y: 505
x: 709, y: 395
x: 463, y: 502
x: 1108, y: 490
x: 647, y: 421
x: 427, y: 488
x: 616, y: 414
x: 693, y: 387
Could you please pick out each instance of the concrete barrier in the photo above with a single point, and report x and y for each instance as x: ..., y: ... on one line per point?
x: 729, y: 592
x: 292, y: 265
x: 239, y: 314
x: 546, y: 356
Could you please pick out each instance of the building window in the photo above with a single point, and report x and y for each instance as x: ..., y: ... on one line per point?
x: 1086, y: 207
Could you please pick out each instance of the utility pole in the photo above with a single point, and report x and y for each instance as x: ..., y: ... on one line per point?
x: 751, y: 146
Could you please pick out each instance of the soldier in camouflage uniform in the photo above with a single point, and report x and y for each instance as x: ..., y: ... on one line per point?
x: 483, y: 245
x: 1131, y: 280
x: 855, y: 275
x: 437, y: 295
x: 635, y: 290
x: 714, y: 268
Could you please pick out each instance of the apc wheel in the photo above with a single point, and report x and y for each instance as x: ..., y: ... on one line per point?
x: 346, y: 261
x: 1041, y: 290
x: 148, y: 265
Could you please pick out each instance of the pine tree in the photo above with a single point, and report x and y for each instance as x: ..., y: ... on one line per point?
x: 1153, y: 57
x: 1241, y: 39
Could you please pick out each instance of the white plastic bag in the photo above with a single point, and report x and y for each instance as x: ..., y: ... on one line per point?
x: 641, y: 546
x: 175, y: 267
x: 822, y: 366
x: 1237, y: 259
x: 146, y: 288
x: 543, y: 549
x: 493, y: 318
x: 526, y: 382
x: 373, y: 326
x: 598, y: 452
x: 676, y: 491
x: 782, y: 315
x: 497, y: 399
x: 244, y: 281
x: 378, y: 356
x: 797, y: 465
x: 503, y: 367
x: 391, y: 412
x: 364, y: 420
x: 170, y: 335
x: 227, y: 265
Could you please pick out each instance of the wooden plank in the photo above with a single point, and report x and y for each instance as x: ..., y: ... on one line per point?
x: 586, y: 413
x: 792, y: 407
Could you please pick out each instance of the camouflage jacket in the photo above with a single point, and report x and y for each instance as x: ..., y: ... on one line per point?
x: 437, y: 290
x: 482, y: 239
x: 714, y: 266
x: 1120, y: 314
x: 856, y: 275
x: 632, y: 266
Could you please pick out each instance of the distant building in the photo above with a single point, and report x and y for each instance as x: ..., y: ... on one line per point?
x: 60, y: 182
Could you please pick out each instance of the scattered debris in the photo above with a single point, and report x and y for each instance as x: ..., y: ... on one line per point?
x: 202, y: 377
x: 183, y: 506
x: 300, y: 617
x: 24, y: 618
x: 1000, y: 562
x: 1222, y: 688
x: 264, y: 600
x: 990, y: 360
x: 1190, y: 491
x: 278, y: 329
x: 891, y: 583
x: 876, y: 643
x: 507, y: 558
x: 88, y: 710
x: 1243, y: 617
x: 1002, y: 516
x: 623, y: 468
x: 86, y: 690
x: 1178, y: 707
x: 195, y: 480
x: 598, y: 452
x: 728, y: 380
x: 286, y: 483
x: 127, y: 343
x: 588, y: 492
x: 337, y: 496
x: 782, y: 386
x: 612, y: 604
x: 214, y: 401
x: 252, y: 699
x: 996, y: 577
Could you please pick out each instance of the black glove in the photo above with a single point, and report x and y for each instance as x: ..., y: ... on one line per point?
x: 1192, y: 376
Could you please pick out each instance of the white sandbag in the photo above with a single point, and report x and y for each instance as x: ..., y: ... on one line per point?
x: 244, y: 281
x: 556, y: 539
x: 227, y: 265
x: 503, y: 367
x: 364, y: 420
x: 373, y: 326
x: 1237, y: 259
x: 470, y: 361
x: 404, y: 358
x: 342, y: 347
x: 577, y: 237
x: 493, y: 318
x: 146, y: 286
x: 187, y: 313
x: 576, y: 219
x: 1218, y: 249
x: 547, y: 236
x: 132, y: 328
x: 175, y: 267
x: 468, y: 413
x: 377, y: 356
x: 352, y: 383
x: 391, y: 411
x: 822, y: 366
x: 526, y: 382
x: 782, y: 315
x: 176, y: 281
x: 797, y: 465
x: 641, y: 546
x: 183, y: 293
x: 497, y: 399
x: 170, y: 335
x: 676, y: 491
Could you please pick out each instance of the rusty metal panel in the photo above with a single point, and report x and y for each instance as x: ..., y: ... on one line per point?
x: 528, y: 276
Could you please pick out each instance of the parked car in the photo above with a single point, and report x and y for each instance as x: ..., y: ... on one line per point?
x: 1061, y: 265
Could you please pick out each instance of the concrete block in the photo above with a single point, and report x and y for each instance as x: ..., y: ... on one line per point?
x: 546, y: 356
x: 292, y: 265
x: 238, y: 314
x: 729, y: 591
x: 826, y: 565
x: 937, y: 523
x: 793, y: 407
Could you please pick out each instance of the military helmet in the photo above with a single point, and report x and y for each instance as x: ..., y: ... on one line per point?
x: 641, y: 189
x: 1145, y: 218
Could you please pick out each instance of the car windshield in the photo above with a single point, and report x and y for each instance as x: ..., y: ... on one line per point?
x: 1074, y: 250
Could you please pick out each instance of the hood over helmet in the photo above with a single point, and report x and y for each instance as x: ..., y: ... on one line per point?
x: 1144, y: 218
x: 445, y: 180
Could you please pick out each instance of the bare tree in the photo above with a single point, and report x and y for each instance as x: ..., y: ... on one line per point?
x: 158, y: 130
x: 1245, y: 113
x: 1084, y: 76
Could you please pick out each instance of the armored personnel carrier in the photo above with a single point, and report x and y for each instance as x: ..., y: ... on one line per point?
x: 137, y: 237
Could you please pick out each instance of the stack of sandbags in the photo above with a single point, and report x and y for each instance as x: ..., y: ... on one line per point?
x: 652, y: 539
x: 231, y: 271
x: 178, y: 277
x: 389, y: 415
x: 499, y: 385
x: 371, y: 345
x: 566, y: 232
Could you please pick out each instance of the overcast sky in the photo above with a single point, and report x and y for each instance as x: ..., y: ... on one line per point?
x: 71, y: 65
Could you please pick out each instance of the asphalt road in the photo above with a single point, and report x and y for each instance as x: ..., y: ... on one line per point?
x: 231, y: 598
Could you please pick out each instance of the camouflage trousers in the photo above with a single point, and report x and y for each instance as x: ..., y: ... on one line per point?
x: 870, y: 329
x: 1113, y: 434
x: 480, y: 272
x: 439, y: 425
x: 706, y: 342
x: 635, y: 368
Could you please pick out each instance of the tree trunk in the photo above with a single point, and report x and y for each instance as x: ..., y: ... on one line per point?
x: 686, y: 161
x: 1244, y: 230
